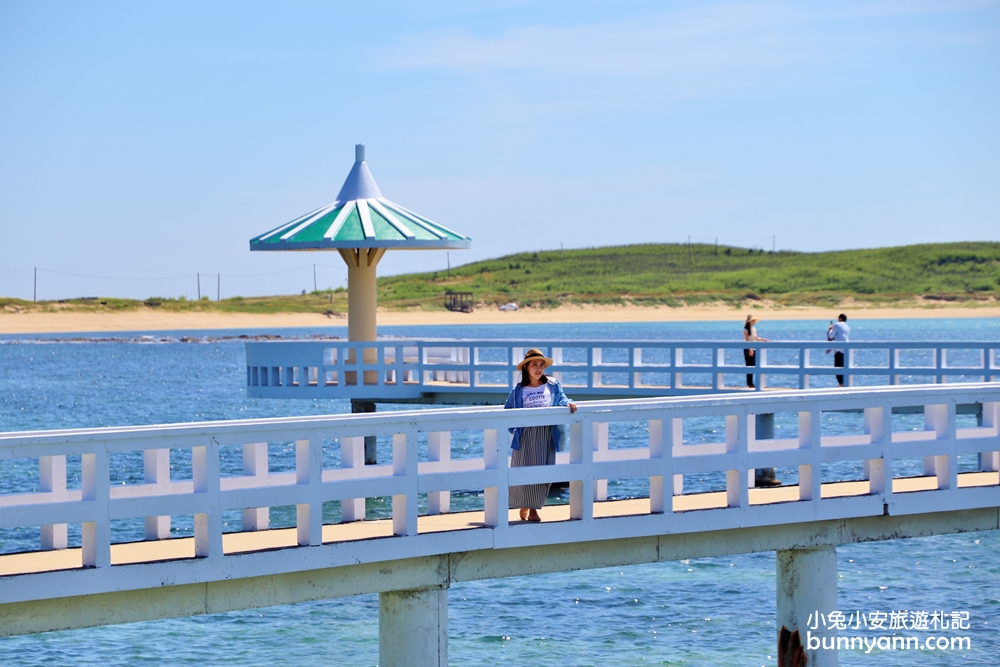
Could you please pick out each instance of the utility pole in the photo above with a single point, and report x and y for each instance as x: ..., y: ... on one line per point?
x: 35, y: 294
x: 774, y: 242
x: 689, y: 250
x: 315, y: 289
x: 716, y: 245
x: 199, y: 285
x: 218, y: 288
x: 562, y: 251
x: 448, y: 255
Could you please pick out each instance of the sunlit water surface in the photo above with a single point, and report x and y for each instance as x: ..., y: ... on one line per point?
x: 711, y: 611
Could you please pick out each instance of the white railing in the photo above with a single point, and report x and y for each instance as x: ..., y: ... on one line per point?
x: 410, y: 369
x: 594, y: 457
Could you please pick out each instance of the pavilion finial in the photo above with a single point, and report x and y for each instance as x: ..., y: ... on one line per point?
x: 359, y: 153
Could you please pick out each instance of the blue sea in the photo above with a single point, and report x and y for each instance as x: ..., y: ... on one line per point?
x: 711, y: 611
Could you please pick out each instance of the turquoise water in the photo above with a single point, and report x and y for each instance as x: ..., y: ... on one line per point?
x: 716, y: 611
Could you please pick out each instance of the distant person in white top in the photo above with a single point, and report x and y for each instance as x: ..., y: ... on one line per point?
x: 840, y: 332
x: 749, y: 354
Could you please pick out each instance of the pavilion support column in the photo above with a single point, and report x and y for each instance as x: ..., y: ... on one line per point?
x: 362, y: 304
x: 413, y: 628
x: 807, y: 586
x: 362, y: 292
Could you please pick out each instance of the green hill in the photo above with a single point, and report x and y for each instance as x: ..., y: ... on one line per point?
x: 685, y: 274
x: 649, y: 274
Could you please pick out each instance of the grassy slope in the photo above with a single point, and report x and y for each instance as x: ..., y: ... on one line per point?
x: 671, y: 274
x: 652, y: 274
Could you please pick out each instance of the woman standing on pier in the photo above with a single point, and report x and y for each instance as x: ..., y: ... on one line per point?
x: 534, y: 445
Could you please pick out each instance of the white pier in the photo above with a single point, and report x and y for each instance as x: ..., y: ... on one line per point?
x: 412, y: 557
x: 481, y: 371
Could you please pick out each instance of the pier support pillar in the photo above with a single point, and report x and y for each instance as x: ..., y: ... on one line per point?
x: 361, y: 407
x: 807, y: 586
x: 413, y: 628
x: 764, y: 431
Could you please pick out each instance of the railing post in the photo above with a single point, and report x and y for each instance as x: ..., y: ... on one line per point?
x: 596, y: 359
x: 878, y: 472
x: 676, y: 439
x: 52, y: 479
x: 737, y: 487
x: 661, y: 454
x: 600, y: 454
x: 156, y: 470
x: 557, y: 359
x: 804, y: 361
x: 807, y: 587
x: 495, y: 498
x: 96, y: 487
x: 990, y: 418
x: 413, y: 628
x: 255, y: 465
x: 404, y: 464
x: 439, y: 449
x: 207, y: 525
x: 810, y: 439
x: 581, y: 451
x: 941, y: 420
x: 309, y: 473
x: 352, y: 455
x: 657, y: 497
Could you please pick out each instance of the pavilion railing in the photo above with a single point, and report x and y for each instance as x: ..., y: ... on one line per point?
x: 406, y: 369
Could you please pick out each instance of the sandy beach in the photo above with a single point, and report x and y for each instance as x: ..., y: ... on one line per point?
x: 150, y: 320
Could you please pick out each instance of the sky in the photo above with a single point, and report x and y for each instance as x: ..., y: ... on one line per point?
x: 143, y: 144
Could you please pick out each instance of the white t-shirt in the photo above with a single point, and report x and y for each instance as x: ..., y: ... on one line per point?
x: 537, y: 397
x: 841, y: 333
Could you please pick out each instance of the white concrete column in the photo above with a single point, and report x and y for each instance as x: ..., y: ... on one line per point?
x: 413, y: 628
x: 807, y: 586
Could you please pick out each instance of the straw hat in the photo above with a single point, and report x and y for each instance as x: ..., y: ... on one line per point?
x: 533, y: 354
x: 752, y: 319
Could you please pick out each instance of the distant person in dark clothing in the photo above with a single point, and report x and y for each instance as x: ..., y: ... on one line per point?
x: 750, y: 354
x: 840, y: 332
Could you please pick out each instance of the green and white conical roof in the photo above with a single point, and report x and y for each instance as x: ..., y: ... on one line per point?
x: 360, y: 218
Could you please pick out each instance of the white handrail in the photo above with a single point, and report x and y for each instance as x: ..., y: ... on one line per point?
x: 407, y: 369
x: 589, y: 462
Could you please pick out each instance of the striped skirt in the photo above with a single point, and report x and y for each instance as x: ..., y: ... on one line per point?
x: 537, y: 449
